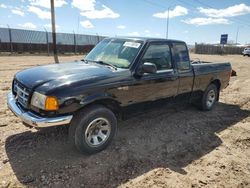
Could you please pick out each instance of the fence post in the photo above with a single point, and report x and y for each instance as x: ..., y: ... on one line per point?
x: 0, y: 45
x: 75, y: 42
x: 98, y: 40
x: 10, y: 36
x: 31, y: 48
x: 47, y: 41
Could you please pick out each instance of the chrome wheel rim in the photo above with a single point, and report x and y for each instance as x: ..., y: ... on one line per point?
x: 97, y: 132
x: 211, y: 98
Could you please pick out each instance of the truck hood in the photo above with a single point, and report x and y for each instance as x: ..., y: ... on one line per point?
x: 59, y: 74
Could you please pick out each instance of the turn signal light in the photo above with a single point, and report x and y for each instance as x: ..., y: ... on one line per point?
x: 51, y: 103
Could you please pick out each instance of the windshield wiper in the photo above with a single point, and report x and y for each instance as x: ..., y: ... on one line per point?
x: 102, y: 63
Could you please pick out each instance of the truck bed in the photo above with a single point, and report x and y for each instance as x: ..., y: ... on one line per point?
x: 205, y: 71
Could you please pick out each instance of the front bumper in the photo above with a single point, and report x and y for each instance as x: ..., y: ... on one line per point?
x: 33, y: 119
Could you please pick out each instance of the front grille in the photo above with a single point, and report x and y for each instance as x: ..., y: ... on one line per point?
x: 22, y: 93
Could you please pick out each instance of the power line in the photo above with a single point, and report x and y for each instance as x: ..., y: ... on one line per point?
x: 209, y: 6
x: 162, y: 6
x: 194, y: 8
x: 188, y: 4
x: 156, y: 4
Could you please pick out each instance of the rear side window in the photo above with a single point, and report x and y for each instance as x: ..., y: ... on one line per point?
x: 181, y: 56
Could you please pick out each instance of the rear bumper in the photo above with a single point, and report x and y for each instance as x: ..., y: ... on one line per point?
x: 33, y: 119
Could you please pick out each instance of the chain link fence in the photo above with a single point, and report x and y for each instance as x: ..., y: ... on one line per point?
x: 28, y: 41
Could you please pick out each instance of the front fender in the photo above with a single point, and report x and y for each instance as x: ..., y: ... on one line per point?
x: 104, y: 99
x: 95, y: 97
x: 73, y: 104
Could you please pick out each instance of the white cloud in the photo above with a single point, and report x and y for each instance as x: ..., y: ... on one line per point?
x: 186, y: 31
x: 232, y: 11
x: 88, y: 10
x: 121, y: 26
x: 206, y: 21
x: 3, y: 6
x: 85, y: 5
x: 18, y: 12
x: 39, y: 12
x: 135, y: 33
x: 87, y: 24
x: 99, y: 14
x: 46, y: 3
x: 147, y: 31
x: 177, y: 11
x: 28, y: 25
x: 48, y: 26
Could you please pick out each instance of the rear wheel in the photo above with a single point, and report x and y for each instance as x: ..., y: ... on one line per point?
x: 209, y: 97
x: 92, y: 129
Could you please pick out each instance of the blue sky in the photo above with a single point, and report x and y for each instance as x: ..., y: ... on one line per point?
x: 191, y: 21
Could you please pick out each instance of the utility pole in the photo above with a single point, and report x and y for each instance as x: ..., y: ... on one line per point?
x: 53, y: 30
x: 167, y: 23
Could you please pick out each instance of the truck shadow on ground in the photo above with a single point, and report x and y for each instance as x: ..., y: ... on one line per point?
x: 166, y: 137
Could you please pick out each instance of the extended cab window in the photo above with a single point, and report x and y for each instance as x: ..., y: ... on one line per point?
x: 159, y: 54
x: 181, y: 56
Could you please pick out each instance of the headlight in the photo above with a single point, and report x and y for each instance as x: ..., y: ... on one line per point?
x: 44, y: 102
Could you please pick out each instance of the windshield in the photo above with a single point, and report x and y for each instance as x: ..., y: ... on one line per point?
x: 117, y: 52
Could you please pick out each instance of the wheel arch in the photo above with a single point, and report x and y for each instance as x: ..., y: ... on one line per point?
x: 217, y: 83
x: 111, y: 104
x: 107, y: 102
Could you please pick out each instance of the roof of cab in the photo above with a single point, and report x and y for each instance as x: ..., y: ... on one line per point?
x: 148, y: 39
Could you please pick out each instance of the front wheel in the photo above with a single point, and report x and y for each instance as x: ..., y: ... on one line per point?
x: 92, y: 129
x: 209, y: 97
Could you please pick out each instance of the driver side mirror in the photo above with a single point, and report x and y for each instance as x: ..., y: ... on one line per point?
x: 148, y: 67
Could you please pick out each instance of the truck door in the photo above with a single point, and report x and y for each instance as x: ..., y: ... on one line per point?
x: 164, y: 82
x: 185, y: 72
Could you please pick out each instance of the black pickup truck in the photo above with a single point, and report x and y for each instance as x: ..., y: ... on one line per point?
x: 91, y: 94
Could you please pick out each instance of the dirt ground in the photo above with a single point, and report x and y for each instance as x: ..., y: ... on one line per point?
x: 167, y: 147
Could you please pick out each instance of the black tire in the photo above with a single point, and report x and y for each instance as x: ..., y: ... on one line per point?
x: 209, y: 98
x: 81, y: 123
